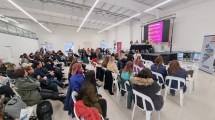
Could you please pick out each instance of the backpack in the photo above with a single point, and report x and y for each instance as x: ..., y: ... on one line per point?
x: 44, y: 111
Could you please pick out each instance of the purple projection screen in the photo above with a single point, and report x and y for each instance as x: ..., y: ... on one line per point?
x: 155, y: 31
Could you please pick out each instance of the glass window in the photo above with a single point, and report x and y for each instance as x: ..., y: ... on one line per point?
x: 3, y: 27
x: 68, y: 46
x: 12, y: 29
x: 25, y: 33
x: 20, y: 31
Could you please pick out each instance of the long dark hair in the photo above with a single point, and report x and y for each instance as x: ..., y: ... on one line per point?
x: 145, y: 73
x: 89, y: 79
x: 174, y: 67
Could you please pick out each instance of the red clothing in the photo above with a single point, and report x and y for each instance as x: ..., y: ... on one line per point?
x: 85, y: 112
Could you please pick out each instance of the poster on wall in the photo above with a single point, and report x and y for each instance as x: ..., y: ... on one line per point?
x: 119, y: 47
x: 208, y: 53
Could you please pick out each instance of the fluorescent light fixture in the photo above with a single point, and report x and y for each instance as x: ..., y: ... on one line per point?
x: 157, y: 6
x: 17, y: 6
x: 87, y: 15
x: 120, y: 22
x: 9, y: 19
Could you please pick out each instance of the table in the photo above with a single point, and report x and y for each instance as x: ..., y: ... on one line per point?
x: 167, y: 56
x: 140, y: 47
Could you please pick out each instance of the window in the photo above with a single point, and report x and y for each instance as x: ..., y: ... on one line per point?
x: 68, y: 46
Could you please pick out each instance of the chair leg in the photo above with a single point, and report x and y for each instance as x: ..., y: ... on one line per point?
x: 181, y: 97
x: 165, y: 94
x: 148, y: 115
x: 133, y: 112
x: 158, y: 112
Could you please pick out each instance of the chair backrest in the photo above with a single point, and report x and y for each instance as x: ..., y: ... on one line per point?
x: 159, y: 77
x: 148, y: 64
x: 178, y: 79
x: 126, y: 83
x: 144, y: 99
x: 74, y: 95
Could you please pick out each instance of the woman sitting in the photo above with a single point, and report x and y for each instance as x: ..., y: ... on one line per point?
x: 159, y: 67
x: 139, y: 63
x: 111, y: 66
x: 105, y: 62
x: 127, y: 73
x: 89, y: 94
x: 77, y: 77
x: 144, y: 84
x: 176, y: 71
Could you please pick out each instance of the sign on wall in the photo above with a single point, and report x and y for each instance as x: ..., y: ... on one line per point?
x: 119, y: 47
x: 208, y: 53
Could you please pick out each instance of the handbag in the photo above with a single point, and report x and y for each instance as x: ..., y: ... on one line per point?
x: 14, y: 106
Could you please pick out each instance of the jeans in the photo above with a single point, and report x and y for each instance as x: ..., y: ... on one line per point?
x: 103, y: 105
x: 55, y: 81
x: 48, y: 94
x: 7, y: 91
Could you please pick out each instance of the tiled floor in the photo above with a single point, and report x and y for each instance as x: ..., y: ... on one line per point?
x: 199, y: 105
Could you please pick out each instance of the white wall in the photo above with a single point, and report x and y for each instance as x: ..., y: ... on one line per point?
x: 61, y: 35
x: 124, y: 33
x: 19, y: 45
x: 192, y: 24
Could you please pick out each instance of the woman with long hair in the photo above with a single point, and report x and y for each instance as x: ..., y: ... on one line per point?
x: 88, y: 93
x: 139, y: 62
x: 159, y: 67
x: 111, y: 66
x: 144, y: 84
x: 176, y: 71
x: 77, y: 77
x: 127, y: 73
x: 105, y: 62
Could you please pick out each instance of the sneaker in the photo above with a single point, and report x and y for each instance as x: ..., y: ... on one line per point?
x: 111, y: 93
x: 172, y: 92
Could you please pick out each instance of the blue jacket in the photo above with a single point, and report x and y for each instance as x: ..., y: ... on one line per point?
x: 161, y: 69
x: 181, y: 74
x: 42, y: 72
x: 126, y: 75
x: 76, y: 81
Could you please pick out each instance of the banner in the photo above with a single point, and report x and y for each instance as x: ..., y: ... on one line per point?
x: 119, y: 47
x: 208, y: 53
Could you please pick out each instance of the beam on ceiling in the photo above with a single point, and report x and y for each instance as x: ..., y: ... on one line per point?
x: 37, y: 5
x: 48, y: 19
x: 132, y: 5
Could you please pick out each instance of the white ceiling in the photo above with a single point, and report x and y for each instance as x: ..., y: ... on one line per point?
x: 72, y: 12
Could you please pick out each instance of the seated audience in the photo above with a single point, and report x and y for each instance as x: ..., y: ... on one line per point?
x: 176, y: 71
x: 29, y: 89
x: 144, y: 84
x: 44, y: 84
x: 39, y: 70
x: 89, y: 94
x: 127, y: 73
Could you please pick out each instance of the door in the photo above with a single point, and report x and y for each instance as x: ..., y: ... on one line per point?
x: 9, y: 54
